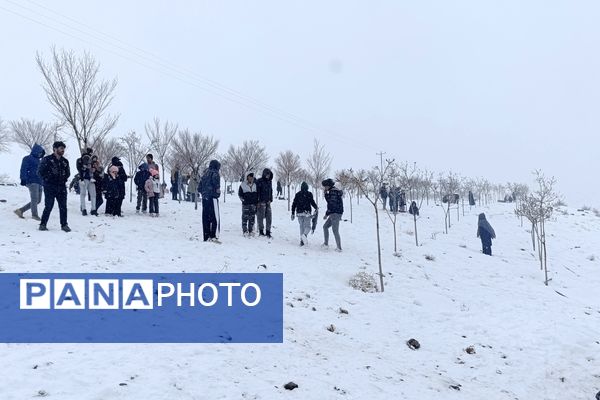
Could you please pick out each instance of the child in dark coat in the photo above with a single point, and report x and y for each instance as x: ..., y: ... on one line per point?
x: 486, y: 233
x: 112, y: 191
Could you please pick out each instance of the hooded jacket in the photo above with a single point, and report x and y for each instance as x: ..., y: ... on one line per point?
x: 335, y: 201
x: 264, y: 186
x: 121, y: 175
x: 30, y: 166
x: 141, y: 176
x: 54, y: 171
x: 303, y: 201
x: 210, y: 182
x: 485, y: 230
x: 248, y: 193
x: 83, y: 165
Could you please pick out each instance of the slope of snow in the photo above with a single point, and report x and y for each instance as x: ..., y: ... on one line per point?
x: 530, y: 341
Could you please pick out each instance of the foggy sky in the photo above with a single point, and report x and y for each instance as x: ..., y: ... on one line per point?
x: 488, y: 89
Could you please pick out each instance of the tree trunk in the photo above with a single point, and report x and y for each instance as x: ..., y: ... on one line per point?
x: 350, y: 209
x: 378, y: 247
x: 416, y: 235
x: 130, y: 190
x: 448, y: 214
x: 395, y: 239
x: 533, y: 235
x: 289, y: 197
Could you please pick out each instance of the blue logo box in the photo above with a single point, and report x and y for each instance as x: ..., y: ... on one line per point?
x: 141, y: 308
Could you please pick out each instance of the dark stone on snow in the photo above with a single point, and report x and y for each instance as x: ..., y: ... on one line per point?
x: 290, y: 386
x: 470, y: 350
x: 413, y: 344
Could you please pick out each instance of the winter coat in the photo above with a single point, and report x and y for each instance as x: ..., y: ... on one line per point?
x: 83, y: 165
x: 192, y: 185
x: 98, y: 176
x: 264, y: 187
x: 54, y: 171
x: 248, y: 193
x: 30, y: 166
x: 413, y: 209
x: 485, y: 230
x: 121, y: 175
x: 335, y: 202
x: 210, y: 182
x: 471, y: 199
x: 383, y: 192
x: 112, y: 187
x: 303, y: 201
x: 141, y: 176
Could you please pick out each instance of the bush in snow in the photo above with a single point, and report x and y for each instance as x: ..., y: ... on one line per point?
x: 364, y: 282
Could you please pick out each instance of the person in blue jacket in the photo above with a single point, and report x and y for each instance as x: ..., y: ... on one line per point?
x: 32, y: 180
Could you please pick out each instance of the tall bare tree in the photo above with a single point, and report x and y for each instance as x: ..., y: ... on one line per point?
x: 228, y: 173
x: 4, y: 137
x: 193, y: 151
x: 80, y: 99
x: 318, y: 166
x: 248, y: 157
x: 161, y: 136
x: 287, y: 168
x: 448, y: 185
x: 27, y: 132
x: 344, y: 178
x: 135, y: 151
x: 107, y: 148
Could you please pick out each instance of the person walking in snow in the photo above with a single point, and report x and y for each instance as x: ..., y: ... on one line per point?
x: 333, y: 215
x: 302, y: 207
x: 152, y: 188
x: 279, y: 190
x: 210, y: 189
x: 249, y: 197
x: 84, y: 168
x: 55, y: 171
x: 31, y: 179
x: 486, y: 233
x: 264, y: 187
x: 140, y: 178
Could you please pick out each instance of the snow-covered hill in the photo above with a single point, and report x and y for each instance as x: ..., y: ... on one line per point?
x: 530, y: 341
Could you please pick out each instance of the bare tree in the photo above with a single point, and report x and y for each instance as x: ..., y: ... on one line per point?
x: 369, y: 187
x: 538, y: 208
x: 107, y: 148
x: 248, y: 157
x: 228, y: 173
x: 318, y: 166
x: 193, y: 151
x: 4, y: 137
x: 448, y: 186
x: 27, y: 132
x: 79, y: 98
x: 161, y: 137
x: 344, y: 177
x: 287, y: 168
x: 135, y: 151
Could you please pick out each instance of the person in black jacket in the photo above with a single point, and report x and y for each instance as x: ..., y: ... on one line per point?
x: 55, y: 171
x: 210, y: 189
x: 98, y: 177
x: 249, y: 197
x: 486, y: 233
x: 333, y: 215
x: 264, y: 187
x: 31, y: 178
x: 122, y: 178
x: 112, y: 191
x: 140, y: 179
x: 84, y: 168
x: 302, y: 206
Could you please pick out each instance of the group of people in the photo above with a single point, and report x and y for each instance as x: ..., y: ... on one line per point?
x: 48, y: 175
x: 395, y: 196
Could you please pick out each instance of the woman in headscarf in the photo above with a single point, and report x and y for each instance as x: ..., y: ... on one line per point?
x: 486, y: 233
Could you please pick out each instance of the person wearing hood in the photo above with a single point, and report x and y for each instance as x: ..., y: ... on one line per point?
x: 210, y: 189
x: 140, y: 179
x: 55, y: 171
x: 121, y: 178
x: 486, y: 233
x: 302, y: 207
x: 383, y: 193
x: 333, y: 215
x: 249, y: 196
x: 31, y: 179
x: 264, y: 188
x: 112, y: 191
x: 98, y: 175
x: 86, y: 184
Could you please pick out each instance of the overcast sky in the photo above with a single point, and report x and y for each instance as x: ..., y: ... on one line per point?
x: 488, y: 89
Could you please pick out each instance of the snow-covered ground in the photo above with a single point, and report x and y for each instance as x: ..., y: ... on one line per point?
x: 530, y: 341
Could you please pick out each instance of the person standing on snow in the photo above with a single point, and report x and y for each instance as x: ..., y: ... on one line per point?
x: 139, y: 180
x: 486, y: 233
x: 210, y: 189
x: 122, y: 178
x: 264, y: 187
x: 279, y: 190
x: 249, y: 197
x: 84, y: 168
x: 302, y: 207
x: 55, y: 171
x: 333, y: 215
x: 31, y: 178
x: 383, y: 192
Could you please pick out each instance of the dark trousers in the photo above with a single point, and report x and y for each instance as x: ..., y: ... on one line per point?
x: 153, y: 204
x: 99, y: 199
x: 142, y: 200
x: 487, y: 248
x: 58, y: 193
x: 210, y: 219
x: 112, y: 206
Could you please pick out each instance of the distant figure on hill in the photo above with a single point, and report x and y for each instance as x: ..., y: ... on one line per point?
x: 486, y: 233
